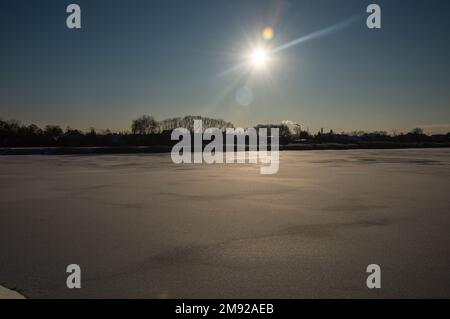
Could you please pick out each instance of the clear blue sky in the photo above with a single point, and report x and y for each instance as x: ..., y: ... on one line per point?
x: 164, y: 58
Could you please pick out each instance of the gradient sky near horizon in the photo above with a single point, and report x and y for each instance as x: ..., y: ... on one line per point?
x: 164, y: 58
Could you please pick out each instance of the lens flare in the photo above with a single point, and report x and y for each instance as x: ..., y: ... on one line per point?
x: 268, y: 33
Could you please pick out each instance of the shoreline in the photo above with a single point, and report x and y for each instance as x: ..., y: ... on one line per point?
x: 6, y: 293
x: 161, y: 149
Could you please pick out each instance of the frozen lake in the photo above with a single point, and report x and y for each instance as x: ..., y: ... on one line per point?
x: 140, y: 226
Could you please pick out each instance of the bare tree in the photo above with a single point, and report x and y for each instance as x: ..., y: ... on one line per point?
x: 53, y: 131
x: 298, y: 130
x: 144, y: 125
x: 417, y: 131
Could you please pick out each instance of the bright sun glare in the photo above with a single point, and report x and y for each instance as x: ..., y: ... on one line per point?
x: 259, y: 57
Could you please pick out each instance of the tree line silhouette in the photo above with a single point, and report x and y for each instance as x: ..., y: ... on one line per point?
x: 146, y: 131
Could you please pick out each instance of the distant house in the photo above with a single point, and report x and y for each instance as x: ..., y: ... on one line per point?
x: 73, y: 134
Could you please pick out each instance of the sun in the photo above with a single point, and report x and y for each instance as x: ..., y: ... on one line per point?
x: 259, y: 57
